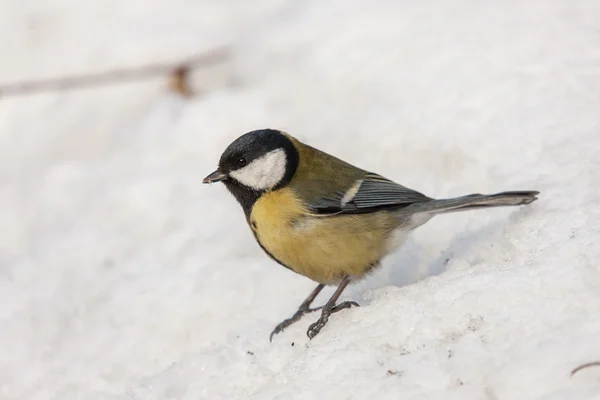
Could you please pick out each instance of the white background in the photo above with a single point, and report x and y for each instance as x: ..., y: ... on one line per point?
x: 123, y: 277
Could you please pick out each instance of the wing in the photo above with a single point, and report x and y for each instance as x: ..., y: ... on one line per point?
x: 370, y: 194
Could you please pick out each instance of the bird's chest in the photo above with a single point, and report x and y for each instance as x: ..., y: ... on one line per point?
x: 275, y: 221
x: 322, y: 249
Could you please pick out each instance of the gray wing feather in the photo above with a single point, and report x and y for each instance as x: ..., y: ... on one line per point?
x: 374, y: 193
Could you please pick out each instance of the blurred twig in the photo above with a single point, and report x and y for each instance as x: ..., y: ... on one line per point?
x: 591, y: 364
x: 178, y: 71
x: 180, y: 81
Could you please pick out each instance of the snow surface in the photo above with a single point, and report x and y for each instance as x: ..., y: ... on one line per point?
x: 123, y: 277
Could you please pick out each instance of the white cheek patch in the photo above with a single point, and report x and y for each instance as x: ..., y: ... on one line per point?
x: 264, y: 172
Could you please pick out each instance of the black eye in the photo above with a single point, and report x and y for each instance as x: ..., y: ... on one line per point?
x: 241, y: 162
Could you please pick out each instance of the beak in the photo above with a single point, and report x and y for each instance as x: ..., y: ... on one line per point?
x: 216, y: 176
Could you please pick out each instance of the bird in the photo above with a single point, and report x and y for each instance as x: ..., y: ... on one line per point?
x: 324, y: 218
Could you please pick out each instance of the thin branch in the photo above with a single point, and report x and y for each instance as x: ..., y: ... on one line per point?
x: 180, y: 81
x: 591, y: 364
x: 119, y: 75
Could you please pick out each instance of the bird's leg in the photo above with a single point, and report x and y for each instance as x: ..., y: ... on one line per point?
x: 303, y: 309
x: 329, y: 308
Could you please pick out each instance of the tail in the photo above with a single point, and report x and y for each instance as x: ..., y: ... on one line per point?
x: 475, y: 201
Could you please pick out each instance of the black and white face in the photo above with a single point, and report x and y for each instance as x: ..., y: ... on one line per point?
x: 261, y: 173
x: 256, y: 162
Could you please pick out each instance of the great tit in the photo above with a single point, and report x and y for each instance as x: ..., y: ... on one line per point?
x: 323, y: 218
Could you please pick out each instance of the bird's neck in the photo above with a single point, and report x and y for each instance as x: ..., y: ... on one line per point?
x: 245, y: 195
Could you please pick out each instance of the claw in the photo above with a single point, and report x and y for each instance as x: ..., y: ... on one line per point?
x: 344, y: 305
x: 285, y: 323
x: 303, y: 309
x: 329, y: 308
x: 295, y: 318
x: 314, y: 328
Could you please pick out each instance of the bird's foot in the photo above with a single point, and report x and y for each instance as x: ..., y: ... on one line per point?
x: 343, y: 306
x: 315, y: 328
x: 287, y: 322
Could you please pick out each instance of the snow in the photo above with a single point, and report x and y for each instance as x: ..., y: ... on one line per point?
x: 123, y: 277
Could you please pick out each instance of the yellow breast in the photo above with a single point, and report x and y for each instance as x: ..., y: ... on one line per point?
x: 324, y: 249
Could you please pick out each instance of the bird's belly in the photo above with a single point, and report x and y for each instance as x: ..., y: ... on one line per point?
x: 396, y: 239
x: 324, y: 249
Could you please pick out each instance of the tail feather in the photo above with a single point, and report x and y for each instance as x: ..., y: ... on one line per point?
x: 475, y: 201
